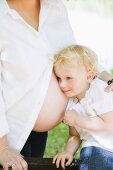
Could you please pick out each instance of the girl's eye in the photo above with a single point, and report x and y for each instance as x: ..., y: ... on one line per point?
x: 58, y: 78
x: 68, y: 78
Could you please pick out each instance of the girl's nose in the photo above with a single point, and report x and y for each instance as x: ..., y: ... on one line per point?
x: 62, y: 84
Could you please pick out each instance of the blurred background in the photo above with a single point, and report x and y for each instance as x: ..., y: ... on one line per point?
x: 92, y: 23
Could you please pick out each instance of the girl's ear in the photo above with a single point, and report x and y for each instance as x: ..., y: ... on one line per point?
x: 90, y: 75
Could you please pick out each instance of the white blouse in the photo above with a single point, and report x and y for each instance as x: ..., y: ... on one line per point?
x: 26, y: 67
x: 95, y: 103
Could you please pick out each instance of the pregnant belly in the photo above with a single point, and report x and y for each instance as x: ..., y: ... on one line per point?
x: 53, y: 108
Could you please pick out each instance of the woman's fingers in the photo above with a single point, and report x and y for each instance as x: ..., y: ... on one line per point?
x: 11, y: 158
x: 109, y: 88
x: 15, y: 167
x: 7, y: 166
x: 24, y: 164
x: 18, y: 165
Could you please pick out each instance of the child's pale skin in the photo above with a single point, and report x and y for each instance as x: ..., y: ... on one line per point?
x: 75, y: 86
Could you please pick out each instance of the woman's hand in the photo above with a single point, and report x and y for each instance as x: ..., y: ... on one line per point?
x: 11, y: 158
x: 64, y: 159
x: 109, y: 88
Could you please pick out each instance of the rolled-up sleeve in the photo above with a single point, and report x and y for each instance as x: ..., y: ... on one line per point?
x: 4, y: 129
x: 104, y: 104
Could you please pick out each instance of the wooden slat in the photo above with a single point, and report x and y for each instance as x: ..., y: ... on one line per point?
x: 46, y: 164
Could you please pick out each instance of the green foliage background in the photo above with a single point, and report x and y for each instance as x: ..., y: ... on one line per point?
x: 57, y: 138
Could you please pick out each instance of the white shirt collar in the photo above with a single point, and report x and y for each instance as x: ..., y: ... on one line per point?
x: 5, y: 9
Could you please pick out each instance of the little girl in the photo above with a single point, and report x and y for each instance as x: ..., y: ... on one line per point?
x: 89, y: 114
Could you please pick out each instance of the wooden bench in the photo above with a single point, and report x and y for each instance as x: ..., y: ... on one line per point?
x: 46, y: 164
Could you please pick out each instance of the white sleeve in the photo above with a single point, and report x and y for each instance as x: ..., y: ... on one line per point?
x: 4, y: 129
x: 69, y: 29
x: 104, y: 104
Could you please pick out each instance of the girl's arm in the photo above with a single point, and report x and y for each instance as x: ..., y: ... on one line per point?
x: 73, y: 142
x: 103, y: 122
x: 65, y: 158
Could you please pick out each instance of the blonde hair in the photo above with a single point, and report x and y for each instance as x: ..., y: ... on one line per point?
x: 79, y: 54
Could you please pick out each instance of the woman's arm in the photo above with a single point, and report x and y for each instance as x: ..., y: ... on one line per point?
x: 105, y: 76
x: 10, y: 157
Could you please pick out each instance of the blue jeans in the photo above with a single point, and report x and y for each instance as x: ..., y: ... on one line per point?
x: 95, y: 158
x: 35, y: 144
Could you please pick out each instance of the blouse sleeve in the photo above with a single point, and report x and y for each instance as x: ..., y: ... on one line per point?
x: 104, y: 103
x: 69, y: 29
x: 4, y: 129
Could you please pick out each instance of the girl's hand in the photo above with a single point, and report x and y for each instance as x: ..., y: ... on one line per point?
x: 109, y: 88
x: 70, y: 118
x: 64, y: 159
x: 11, y: 158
